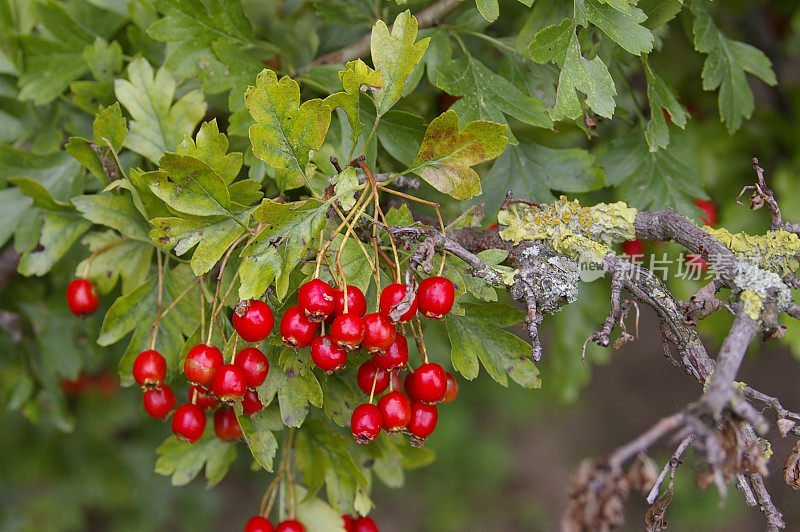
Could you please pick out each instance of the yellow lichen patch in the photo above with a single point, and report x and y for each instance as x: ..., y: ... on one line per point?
x: 752, y: 304
x: 777, y: 250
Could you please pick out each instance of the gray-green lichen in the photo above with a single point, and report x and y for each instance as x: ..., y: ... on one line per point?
x: 553, y: 279
x: 757, y: 284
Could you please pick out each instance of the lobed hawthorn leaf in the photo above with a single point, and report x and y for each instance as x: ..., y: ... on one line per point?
x: 489, y: 9
x: 339, y: 400
x: 40, y: 195
x: 659, y: 12
x: 395, y: 54
x: 104, y: 61
x: 438, y: 53
x: 725, y: 66
x: 128, y: 261
x: 285, y: 131
x: 295, y: 393
x: 662, y: 100
x: 190, y: 186
x: 315, y: 514
x: 157, y: 124
x: 211, y: 147
x: 109, y: 132
x: 258, y: 431
x: 355, y: 76
x: 59, y: 232
x: 479, y: 335
x: 401, y: 133
x: 15, y: 204
x: 57, y: 172
x: 448, y: 153
x: 232, y: 69
x: 115, y: 211
x: 182, y: 461
x: 624, y: 27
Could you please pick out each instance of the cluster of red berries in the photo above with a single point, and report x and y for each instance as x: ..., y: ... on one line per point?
x: 262, y: 524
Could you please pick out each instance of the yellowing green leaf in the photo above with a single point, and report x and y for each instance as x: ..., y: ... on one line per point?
x: 190, y: 186
x: 211, y: 147
x: 355, y: 76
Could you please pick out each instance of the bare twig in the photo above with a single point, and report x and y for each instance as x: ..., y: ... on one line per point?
x: 671, y: 465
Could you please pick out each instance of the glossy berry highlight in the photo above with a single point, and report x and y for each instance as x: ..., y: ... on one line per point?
x: 290, y: 526
x: 395, y: 410
x: 254, y: 364
x: 258, y: 524
x: 428, y: 383
x: 316, y: 298
x: 366, y: 423
x: 356, y: 302
x: 202, y: 362
x: 255, y: 321
x: 82, y: 298
x: 423, y: 419
x: 229, y: 384
x: 296, y: 329
x: 395, y: 357
x: 251, y: 404
x: 379, y: 333
x: 435, y: 297
x: 327, y: 355
x: 364, y: 524
x: 149, y: 368
x: 189, y: 422
x: 348, y: 330
x: 159, y: 401
x: 226, y: 426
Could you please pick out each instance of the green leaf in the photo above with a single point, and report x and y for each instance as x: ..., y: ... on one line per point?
x: 58, y: 172
x: 401, y: 133
x: 109, y: 125
x: 40, y: 195
x: 532, y: 171
x: 285, y: 131
x: 659, y: 12
x: 479, y: 335
x: 315, y: 514
x: 356, y: 75
x: 183, y: 460
x: 488, y: 96
x: 560, y: 45
x: 339, y: 400
x: 395, y: 55
x: 725, y: 68
x: 128, y: 260
x: 295, y: 393
x: 447, y: 153
x: 14, y: 205
x: 258, y: 435
x: 59, y: 232
x: 489, y: 9
x: 190, y: 186
x: 662, y: 100
x: 157, y: 125
x: 624, y: 28
x: 115, y: 211
x: 211, y: 147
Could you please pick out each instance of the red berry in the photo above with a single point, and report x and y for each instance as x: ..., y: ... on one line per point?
x: 189, y: 422
x: 259, y: 524
x: 366, y: 423
x: 391, y: 296
x: 435, y: 297
x: 356, y: 302
x: 256, y: 321
x: 316, y: 299
x: 366, y: 376
x: 82, y: 297
x: 149, y: 368
x: 397, y: 381
x: 251, y: 403
x: 202, y: 397
x: 327, y: 354
x: 452, y: 390
x: 159, y: 401
x: 696, y: 261
x: 395, y: 410
x: 296, y: 330
x: 201, y: 363
x: 429, y: 383
x: 633, y: 248
x: 709, y: 210
x: 229, y: 384
x: 379, y: 333
x: 408, y: 387
x: 254, y: 364
x: 348, y: 330
x: 395, y: 357
x: 423, y: 419
x: 364, y: 524
x: 226, y: 426
x: 348, y: 523
x: 290, y: 526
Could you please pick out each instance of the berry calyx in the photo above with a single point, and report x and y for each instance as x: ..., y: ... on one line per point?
x: 290, y: 526
x: 202, y: 361
x: 229, y: 384
x: 356, y: 302
x: 366, y: 376
x: 82, y: 298
x: 348, y: 330
x: 316, y: 298
x: 709, y: 210
x: 451, y: 392
x: 202, y: 397
x: 364, y: 524
x: 379, y: 333
x: 149, y: 368
x: 327, y: 354
x: 296, y: 329
x: 423, y: 419
x: 251, y: 403
x: 395, y: 357
x: 435, y: 297
x: 189, y: 422
x: 428, y: 383
x: 254, y: 364
x: 395, y: 410
x: 255, y: 321
x: 391, y: 296
x: 366, y: 423
x: 258, y: 524
x: 159, y: 401
x: 226, y: 426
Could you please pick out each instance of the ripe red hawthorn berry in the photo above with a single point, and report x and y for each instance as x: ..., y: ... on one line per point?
x: 226, y: 426
x: 189, y: 422
x: 395, y: 410
x: 423, y: 419
x: 327, y: 354
x: 397, y: 381
x: 428, y: 383
x: 408, y: 387
x: 395, y: 357
x: 379, y: 333
x: 290, y: 526
x: 251, y: 403
x: 202, y: 361
x: 435, y: 297
x: 296, y: 329
x: 159, y: 401
x: 452, y: 390
x: 259, y: 524
x: 256, y: 321
x: 710, y: 211
x: 364, y: 524
x: 633, y: 248
x: 365, y: 423
x: 348, y: 330
x: 316, y: 298
x: 348, y: 523
x: 202, y: 397
x: 391, y: 296
x: 149, y: 368
x: 356, y: 302
x: 229, y: 384
x: 82, y: 298
x: 254, y: 364
x: 694, y: 259
x: 366, y: 376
